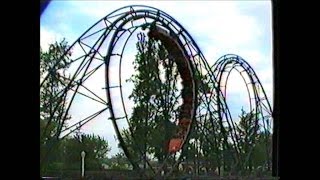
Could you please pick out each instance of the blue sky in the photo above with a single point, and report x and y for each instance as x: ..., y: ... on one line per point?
x: 218, y: 27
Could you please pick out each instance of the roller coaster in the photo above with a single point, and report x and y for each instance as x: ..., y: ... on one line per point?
x: 203, y: 92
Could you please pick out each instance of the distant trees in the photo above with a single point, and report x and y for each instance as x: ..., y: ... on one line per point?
x: 95, y: 147
x: 118, y: 162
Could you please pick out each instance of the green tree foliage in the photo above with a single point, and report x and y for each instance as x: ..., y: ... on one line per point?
x: 210, y: 140
x: 118, y: 162
x: 95, y: 147
x: 248, y: 131
x: 261, y: 155
x: 155, y: 96
x: 52, y: 103
x: 67, y: 154
x: 212, y: 152
x: 53, y: 64
x: 254, y: 143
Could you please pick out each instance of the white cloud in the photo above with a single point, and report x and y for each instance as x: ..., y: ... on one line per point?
x: 265, y: 75
x: 48, y: 37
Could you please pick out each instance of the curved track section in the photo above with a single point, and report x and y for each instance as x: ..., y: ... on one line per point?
x: 181, y: 46
x: 259, y: 106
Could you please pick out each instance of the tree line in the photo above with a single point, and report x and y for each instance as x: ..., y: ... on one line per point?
x: 157, y: 104
x: 157, y: 100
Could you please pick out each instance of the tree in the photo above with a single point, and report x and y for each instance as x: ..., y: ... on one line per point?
x: 155, y: 96
x: 118, y: 162
x: 261, y: 155
x: 95, y: 147
x: 210, y: 139
x: 52, y: 102
x: 254, y: 143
